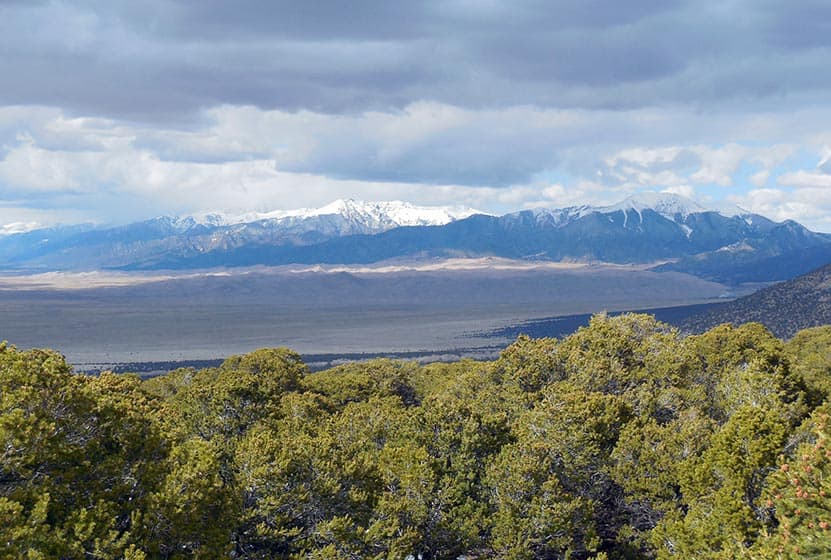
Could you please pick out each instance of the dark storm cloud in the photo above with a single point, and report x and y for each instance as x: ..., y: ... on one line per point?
x: 797, y: 25
x: 163, y: 60
x: 320, y: 20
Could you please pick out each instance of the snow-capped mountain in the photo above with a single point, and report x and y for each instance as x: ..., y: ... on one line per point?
x: 187, y: 236
x: 368, y: 216
x: 631, y: 210
x: 674, y: 232
x: 671, y: 206
x: 365, y: 217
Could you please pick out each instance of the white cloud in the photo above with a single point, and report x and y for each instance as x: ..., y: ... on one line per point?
x: 645, y: 157
x: 683, y: 190
x: 760, y: 178
x: 718, y: 165
x: 809, y: 206
x: 244, y: 158
x: 805, y: 179
x: 32, y: 168
x: 678, y: 167
x: 186, y: 186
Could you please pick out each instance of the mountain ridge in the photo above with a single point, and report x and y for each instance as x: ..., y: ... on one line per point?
x: 680, y: 234
x: 392, y: 212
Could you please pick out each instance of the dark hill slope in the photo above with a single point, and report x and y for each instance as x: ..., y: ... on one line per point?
x: 785, y: 308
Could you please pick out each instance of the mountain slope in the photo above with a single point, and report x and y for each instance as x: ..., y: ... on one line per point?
x: 366, y: 216
x: 724, y: 244
x: 629, y: 232
x: 784, y: 308
x: 188, y: 237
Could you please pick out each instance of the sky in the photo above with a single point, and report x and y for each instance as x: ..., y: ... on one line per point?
x: 115, y: 111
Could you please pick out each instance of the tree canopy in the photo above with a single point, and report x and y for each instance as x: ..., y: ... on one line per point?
x: 623, y: 440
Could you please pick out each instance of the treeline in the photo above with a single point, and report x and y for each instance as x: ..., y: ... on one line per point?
x: 623, y: 440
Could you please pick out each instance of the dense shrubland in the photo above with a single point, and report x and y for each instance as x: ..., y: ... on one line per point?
x: 624, y: 440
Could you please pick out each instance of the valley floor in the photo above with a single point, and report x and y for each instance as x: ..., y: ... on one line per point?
x: 97, y: 318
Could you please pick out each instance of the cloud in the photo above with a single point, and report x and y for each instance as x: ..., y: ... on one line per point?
x: 163, y: 60
x: 678, y: 167
x: 683, y: 190
x: 719, y: 164
x: 805, y: 179
x: 119, y: 109
x: 760, y: 178
x: 246, y: 158
x: 807, y: 205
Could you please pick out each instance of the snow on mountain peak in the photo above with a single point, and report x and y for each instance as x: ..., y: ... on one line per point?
x: 18, y: 227
x: 374, y: 217
x: 394, y: 212
x: 214, y: 219
x: 670, y: 205
x: 666, y: 204
x: 383, y: 215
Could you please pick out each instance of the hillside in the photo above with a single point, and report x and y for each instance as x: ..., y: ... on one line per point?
x: 784, y: 308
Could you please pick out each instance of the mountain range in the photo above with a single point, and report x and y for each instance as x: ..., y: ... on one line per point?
x: 726, y: 244
x: 87, y: 246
